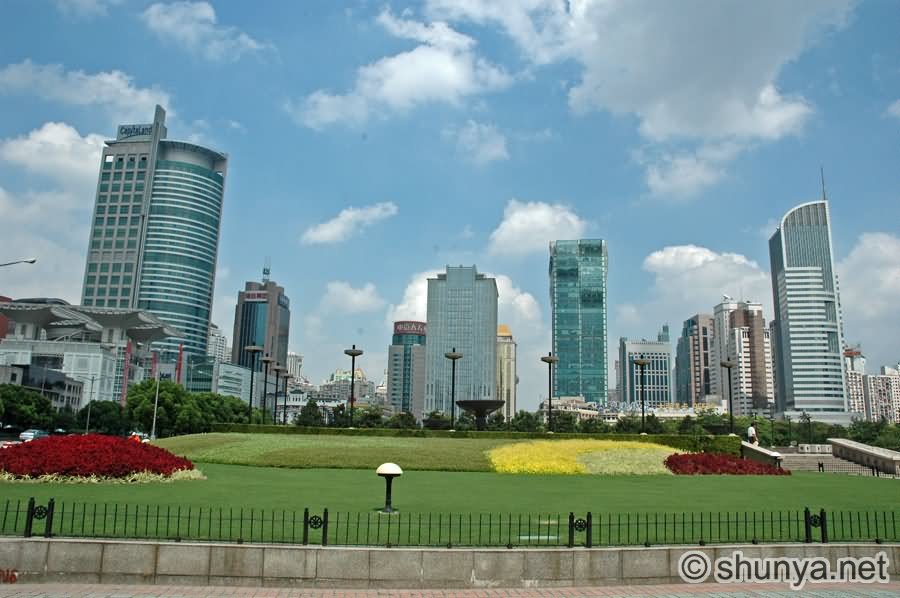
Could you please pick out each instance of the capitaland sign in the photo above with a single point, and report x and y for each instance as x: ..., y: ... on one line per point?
x: 409, y: 328
x: 128, y: 131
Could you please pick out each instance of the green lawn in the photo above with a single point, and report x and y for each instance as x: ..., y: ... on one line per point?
x: 344, y: 452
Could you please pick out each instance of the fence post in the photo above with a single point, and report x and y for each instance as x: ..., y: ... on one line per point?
x: 325, y: 528
x: 305, y: 526
x: 571, y: 543
x: 29, y: 517
x: 589, y: 539
x: 823, y: 521
x: 48, y: 525
x: 807, y: 526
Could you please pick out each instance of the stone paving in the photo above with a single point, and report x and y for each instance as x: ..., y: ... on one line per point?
x: 709, y: 590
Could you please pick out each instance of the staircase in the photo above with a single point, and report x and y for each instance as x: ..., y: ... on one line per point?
x: 831, y: 464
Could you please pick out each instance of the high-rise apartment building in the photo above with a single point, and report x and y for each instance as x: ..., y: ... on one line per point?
x: 294, y: 365
x: 808, y: 340
x: 155, y: 233
x: 578, y: 306
x: 406, y: 368
x: 749, y: 347
x: 262, y: 317
x: 692, y: 380
x: 883, y: 397
x: 854, y: 372
x: 217, y: 345
x: 657, y: 374
x: 506, y: 371
x: 718, y: 377
x: 462, y: 315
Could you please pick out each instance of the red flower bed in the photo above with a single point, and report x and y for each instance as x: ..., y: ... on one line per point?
x: 93, y: 454
x: 717, y: 464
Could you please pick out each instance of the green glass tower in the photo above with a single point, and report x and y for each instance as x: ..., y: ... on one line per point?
x: 578, y: 304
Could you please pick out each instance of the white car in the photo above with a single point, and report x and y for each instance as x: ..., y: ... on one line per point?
x: 32, y: 434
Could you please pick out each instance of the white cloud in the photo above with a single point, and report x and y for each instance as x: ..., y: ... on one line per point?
x: 645, y: 59
x: 528, y: 227
x: 442, y: 69
x: 340, y: 297
x: 414, y: 305
x: 86, y: 8
x: 479, y: 142
x: 194, y: 26
x: 894, y: 109
x: 348, y: 223
x: 56, y: 150
x: 870, y: 284
x: 113, y: 90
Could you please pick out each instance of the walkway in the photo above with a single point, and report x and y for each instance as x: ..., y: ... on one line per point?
x: 661, y: 591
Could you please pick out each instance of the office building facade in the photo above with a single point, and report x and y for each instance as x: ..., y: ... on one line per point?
x: 406, y: 368
x: 657, y: 382
x: 155, y: 234
x: 462, y: 315
x: 217, y: 345
x: 692, y: 376
x: 262, y: 318
x: 507, y: 379
x: 808, y: 340
x: 578, y: 306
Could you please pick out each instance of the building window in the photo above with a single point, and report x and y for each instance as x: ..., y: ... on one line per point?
x: 114, y: 279
x: 117, y: 176
x: 95, y: 244
x: 126, y: 187
x: 88, y: 302
x: 104, y: 176
x: 129, y: 267
x: 116, y: 187
x: 104, y: 267
x: 126, y: 280
x: 100, y: 303
x: 104, y: 187
x: 132, y: 244
x: 88, y: 291
x: 117, y: 267
x: 92, y: 267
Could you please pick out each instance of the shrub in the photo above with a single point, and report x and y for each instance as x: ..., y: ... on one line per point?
x: 717, y: 464
x: 90, y: 455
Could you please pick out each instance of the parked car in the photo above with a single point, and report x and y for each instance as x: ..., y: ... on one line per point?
x: 32, y: 434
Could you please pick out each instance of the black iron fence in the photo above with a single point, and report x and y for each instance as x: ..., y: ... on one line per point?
x: 373, y: 528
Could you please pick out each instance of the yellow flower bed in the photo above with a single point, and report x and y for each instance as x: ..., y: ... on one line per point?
x: 606, y: 457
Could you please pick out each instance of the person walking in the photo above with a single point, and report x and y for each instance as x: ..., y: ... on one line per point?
x: 752, y: 437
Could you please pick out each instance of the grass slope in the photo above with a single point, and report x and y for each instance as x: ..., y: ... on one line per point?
x: 342, y: 452
x: 459, y: 492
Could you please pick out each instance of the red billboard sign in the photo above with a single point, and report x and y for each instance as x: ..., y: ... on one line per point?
x: 409, y: 327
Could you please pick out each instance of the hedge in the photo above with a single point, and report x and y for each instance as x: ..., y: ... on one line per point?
x: 691, y: 443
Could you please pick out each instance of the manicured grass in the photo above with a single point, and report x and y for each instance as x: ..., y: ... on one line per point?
x: 343, y: 452
x: 477, y: 492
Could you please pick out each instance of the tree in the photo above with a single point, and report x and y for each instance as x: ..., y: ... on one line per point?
x: 889, y: 438
x: 594, y: 425
x: 370, y: 416
x: 652, y: 425
x: 865, y: 431
x: 64, y: 419
x: 565, y: 421
x: 340, y: 417
x: 107, y: 417
x: 310, y: 415
x: 139, y: 406
x: 24, y: 408
x: 436, y: 420
x: 464, y: 422
x: 525, y: 421
x: 402, y: 421
x: 689, y: 426
x: 496, y: 421
x: 630, y: 424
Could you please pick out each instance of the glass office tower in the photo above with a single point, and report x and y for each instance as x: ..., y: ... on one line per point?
x: 578, y: 304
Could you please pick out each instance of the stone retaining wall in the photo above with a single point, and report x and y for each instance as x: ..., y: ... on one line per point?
x: 108, y: 561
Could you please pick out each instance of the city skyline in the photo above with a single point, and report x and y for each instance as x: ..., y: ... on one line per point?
x: 359, y: 193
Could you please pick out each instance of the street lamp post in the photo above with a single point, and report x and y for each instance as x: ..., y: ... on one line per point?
x: 453, y: 355
x: 155, y: 407
x: 808, y: 421
x: 353, y: 353
x: 265, y: 401
x: 772, y: 419
x: 30, y: 260
x: 277, y: 369
x: 550, y: 359
x: 642, y: 362
x: 728, y: 365
x: 787, y: 418
x: 253, y: 350
x: 87, y: 424
x: 284, y: 414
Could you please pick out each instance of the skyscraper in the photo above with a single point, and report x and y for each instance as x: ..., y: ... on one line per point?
x: 855, y: 373
x: 578, y: 312
x: 749, y: 346
x: 462, y: 314
x: 294, y: 365
x: 406, y: 368
x: 658, y: 373
x: 808, y: 340
x: 506, y: 370
x: 262, y: 317
x: 155, y: 233
x: 692, y: 381
x: 217, y: 344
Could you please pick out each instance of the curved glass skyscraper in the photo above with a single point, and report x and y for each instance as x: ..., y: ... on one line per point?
x: 155, y: 237
x: 808, y: 343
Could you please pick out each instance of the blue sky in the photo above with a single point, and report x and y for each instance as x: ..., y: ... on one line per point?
x: 374, y: 142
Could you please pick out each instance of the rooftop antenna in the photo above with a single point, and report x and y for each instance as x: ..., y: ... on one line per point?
x: 267, y: 269
x: 822, y: 170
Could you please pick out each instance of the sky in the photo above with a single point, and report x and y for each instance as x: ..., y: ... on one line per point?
x: 373, y: 143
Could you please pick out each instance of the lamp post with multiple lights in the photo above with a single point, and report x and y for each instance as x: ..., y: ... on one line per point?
x: 728, y: 365
x: 353, y: 352
x: 453, y: 355
x: 550, y: 359
x: 642, y: 362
